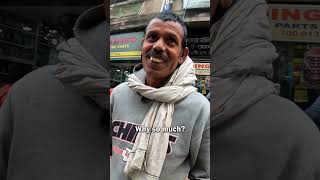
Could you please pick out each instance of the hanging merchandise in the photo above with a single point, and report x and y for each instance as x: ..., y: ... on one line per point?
x: 298, y: 69
x: 203, y: 87
x: 120, y: 73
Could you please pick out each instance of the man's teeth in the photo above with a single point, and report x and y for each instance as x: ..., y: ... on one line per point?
x: 157, y: 60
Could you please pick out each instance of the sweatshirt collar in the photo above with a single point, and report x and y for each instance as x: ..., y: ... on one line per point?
x: 139, y: 72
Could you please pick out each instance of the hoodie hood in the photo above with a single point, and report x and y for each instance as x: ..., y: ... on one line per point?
x: 92, y: 31
x: 83, y: 64
x: 242, y: 56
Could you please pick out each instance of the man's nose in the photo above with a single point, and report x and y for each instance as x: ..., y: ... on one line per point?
x: 159, y: 46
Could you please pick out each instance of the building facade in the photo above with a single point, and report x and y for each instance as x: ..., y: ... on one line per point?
x: 128, y: 20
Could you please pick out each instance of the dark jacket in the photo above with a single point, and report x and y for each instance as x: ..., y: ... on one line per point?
x: 271, y: 140
x: 49, y: 132
x: 256, y: 134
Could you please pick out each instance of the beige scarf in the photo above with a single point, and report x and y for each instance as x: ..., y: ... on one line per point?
x: 149, y: 151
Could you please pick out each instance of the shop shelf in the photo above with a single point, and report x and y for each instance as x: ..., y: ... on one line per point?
x: 116, y: 80
x: 15, y: 44
x: 48, y: 45
x: 16, y: 60
x: 17, y: 29
x: 4, y: 73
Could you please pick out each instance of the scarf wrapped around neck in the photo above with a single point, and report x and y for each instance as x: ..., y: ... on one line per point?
x: 149, y: 151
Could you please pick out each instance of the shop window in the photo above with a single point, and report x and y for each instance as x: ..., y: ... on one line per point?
x: 25, y: 44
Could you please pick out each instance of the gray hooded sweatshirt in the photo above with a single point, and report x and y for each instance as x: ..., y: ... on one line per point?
x: 188, y: 153
x: 257, y: 135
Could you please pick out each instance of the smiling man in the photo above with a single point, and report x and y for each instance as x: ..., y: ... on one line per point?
x: 160, y: 123
x: 163, y: 49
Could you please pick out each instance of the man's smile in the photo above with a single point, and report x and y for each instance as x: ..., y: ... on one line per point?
x: 156, y: 60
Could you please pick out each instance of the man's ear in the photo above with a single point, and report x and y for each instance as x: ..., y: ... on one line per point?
x: 184, y: 55
x: 142, y: 40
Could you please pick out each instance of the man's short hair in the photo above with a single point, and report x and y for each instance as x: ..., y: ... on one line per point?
x: 169, y: 16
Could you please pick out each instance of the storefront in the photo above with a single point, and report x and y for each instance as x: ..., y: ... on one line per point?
x: 296, y: 35
x: 203, y: 77
x: 25, y: 44
x: 29, y: 36
x: 125, y: 53
x: 199, y: 51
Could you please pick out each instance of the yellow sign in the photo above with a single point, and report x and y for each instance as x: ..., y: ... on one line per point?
x: 128, y: 54
x: 126, y: 47
x: 299, y: 23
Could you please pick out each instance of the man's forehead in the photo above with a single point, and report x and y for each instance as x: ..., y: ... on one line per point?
x: 158, y: 22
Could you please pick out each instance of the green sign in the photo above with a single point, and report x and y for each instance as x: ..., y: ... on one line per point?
x: 126, y: 46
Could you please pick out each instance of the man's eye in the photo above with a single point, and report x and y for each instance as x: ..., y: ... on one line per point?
x: 172, y: 41
x: 151, y: 37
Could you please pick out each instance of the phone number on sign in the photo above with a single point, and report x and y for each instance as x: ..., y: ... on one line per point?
x: 300, y: 33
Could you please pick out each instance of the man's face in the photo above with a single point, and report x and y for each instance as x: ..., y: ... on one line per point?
x: 162, y: 49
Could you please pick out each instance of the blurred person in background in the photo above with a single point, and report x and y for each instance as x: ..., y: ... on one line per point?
x: 54, y: 123
x: 256, y: 133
